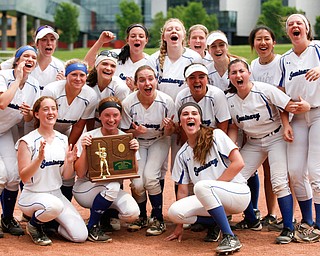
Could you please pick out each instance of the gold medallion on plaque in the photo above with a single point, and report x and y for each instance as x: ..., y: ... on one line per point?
x: 110, y: 158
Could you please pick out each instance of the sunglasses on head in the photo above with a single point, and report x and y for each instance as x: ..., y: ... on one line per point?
x: 109, y: 54
x: 42, y: 27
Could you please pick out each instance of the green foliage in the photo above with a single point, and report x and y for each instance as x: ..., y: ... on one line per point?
x: 317, y: 26
x: 130, y: 13
x: 155, y: 30
x: 176, y: 12
x: 66, y: 20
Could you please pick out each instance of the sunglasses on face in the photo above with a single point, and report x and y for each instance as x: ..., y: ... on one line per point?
x: 42, y: 27
x: 109, y: 54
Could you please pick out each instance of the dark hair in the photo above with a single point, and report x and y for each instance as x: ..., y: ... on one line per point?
x: 143, y: 67
x: 255, y: 30
x: 92, y: 78
x: 231, y: 87
x: 36, y: 108
x: 125, y: 50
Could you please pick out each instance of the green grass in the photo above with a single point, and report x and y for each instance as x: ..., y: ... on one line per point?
x: 239, y: 50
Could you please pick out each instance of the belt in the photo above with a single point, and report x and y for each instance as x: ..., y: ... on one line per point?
x: 150, y: 138
x: 269, y: 134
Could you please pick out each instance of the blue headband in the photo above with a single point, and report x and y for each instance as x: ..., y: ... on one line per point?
x: 76, y: 66
x: 23, y: 49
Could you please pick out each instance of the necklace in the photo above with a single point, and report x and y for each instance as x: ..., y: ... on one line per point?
x: 267, y: 61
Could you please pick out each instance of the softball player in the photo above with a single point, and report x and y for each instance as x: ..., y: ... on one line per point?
x: 197, y: 37
x: 131, y: 56
x: 77, y: 103
x: 102, y: 79
x: 18, y: 92
x: 43, y: 157
x: 100, y: 196
x: 254, y: 109
x: 212, y: 162
x: 300, y: 68
x: 148, y: 114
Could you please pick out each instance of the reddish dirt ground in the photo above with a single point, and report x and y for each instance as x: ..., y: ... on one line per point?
x: 137, y: 244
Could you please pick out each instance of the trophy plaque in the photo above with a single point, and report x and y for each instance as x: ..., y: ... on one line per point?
x: 110, y: 158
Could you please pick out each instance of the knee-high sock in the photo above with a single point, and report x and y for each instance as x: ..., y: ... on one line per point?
x: 249, y: 214
x: 100, y: 204
x: 317, y: 210
x: 285, y: 205
x: 219, y: 216
x: 156, y: 202
x: 306, y: 211
x: 254, y: 185
x: 8, y: 202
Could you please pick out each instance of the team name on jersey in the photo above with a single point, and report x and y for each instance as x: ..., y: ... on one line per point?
x: 49, y: 163
x: 248, y: 117
x: 64, y: 121
x: 297, y: 73
x: 171, y: 81
x: 14, y: 106
x: 122, y: 76
x: 205, y: 166
x: 206, y: 122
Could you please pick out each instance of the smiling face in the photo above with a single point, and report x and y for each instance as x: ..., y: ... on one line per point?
x: 146, y: 82
x: 197, y: 41
x: 218, y: 50
x: 47, y: 45
x: 263, y: 43
x: 296, y: 28
x: 76, y: 79
x: 29, y: 57
x: 47, y: 113
x: 137, y: 40
x: 110, y: 119
x: 106, y: 69
x: 197, y: 83
x: 190, y: 120
x: 174, y: 33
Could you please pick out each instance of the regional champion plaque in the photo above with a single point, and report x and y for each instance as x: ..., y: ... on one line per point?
x: 110, y: 158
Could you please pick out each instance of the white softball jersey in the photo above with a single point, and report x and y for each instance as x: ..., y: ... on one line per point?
x: 30, y: 92
x: 269, y: 73
x: 128, y: 69
x: 171, y: 79
x: 207, y: 59
x: 48, y: 177
x: 186, y: 169
x: 295, y: 67
x: 82, y: 107
x: 133, y: 111
x: 258, y: 114
x: 214, y: 105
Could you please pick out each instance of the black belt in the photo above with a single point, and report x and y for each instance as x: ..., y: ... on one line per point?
x: 150, y: 138
x: 269, y: 134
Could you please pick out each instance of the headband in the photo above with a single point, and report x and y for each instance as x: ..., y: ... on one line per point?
x: 22, y: 49
x: 194, y: 67
x: 138, y: 26
x: 109, y: 104
x: 76, y: 66
x: 192, y: 104
x: 302, y: 17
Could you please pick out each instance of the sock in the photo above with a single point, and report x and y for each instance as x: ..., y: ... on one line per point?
x: 254, y: 185
x: 8, y: 202
x: 100, y: 204
x: 156, y: 203
x: 286, y: 208
x: 143, y: 209
x: 249, y: 214
x: 219, y: 216
x: 306, y: 211
x: 205, y: 220
x: 317, y: 210
x: 162, y: 184
x: 35, y: 222
x: 67, y: 191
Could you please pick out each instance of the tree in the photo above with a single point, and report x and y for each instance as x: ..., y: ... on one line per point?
x: 317, y: 27
x: 193, y: 14
x: 66, y: 20
x: 130, y: 13
x: 155, y: 30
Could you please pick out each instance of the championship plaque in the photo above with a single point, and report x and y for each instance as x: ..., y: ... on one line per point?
x: 110, y: 158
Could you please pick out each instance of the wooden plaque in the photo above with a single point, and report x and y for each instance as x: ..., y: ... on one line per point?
x: 110, y: 158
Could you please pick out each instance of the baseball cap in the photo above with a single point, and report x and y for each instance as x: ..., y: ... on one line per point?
x: 216, y: 36
x: 194, y: 67
x: 44, y: 30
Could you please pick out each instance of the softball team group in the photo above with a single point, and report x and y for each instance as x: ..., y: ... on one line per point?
x: 218, y: 118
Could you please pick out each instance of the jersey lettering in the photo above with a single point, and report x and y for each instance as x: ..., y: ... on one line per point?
x: 49, y: 163
x: 122, y: 76
x: 248, y: 117
x: 205, y: 166
x: 171, y: 81
x: 298, y: 73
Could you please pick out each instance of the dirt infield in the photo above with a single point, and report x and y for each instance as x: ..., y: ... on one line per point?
x: 137, y: 244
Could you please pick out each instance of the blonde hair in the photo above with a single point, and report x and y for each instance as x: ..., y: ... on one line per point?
x: 163, y: 44
x: 69, y: 62
x: 204, y: 144
x: 196, y: 27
